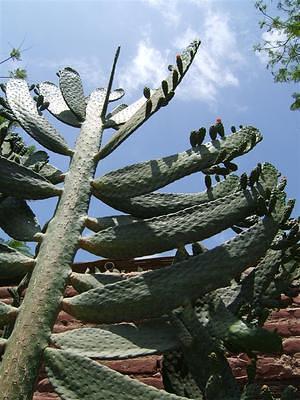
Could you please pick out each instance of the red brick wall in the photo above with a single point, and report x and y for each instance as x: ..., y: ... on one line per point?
x: 275, y: 371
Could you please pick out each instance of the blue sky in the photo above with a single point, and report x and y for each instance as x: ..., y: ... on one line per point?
x: 227, y: 78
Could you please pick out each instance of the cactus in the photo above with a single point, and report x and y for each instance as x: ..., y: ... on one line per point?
x: 119, y: 341
x: 193, y: 311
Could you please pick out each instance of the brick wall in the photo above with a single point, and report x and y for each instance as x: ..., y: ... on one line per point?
x: 275, y: 371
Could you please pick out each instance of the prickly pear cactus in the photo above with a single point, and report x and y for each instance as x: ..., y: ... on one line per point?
x: 193, y: 311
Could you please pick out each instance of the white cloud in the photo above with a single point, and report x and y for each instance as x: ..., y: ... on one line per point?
x: 168, y: 9
x: 148, y: 67
x: 214, y: 66
x: 219, y: 57
x: 273, y: 38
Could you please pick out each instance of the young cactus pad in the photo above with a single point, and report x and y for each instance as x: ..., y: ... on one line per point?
x: 149, y: 302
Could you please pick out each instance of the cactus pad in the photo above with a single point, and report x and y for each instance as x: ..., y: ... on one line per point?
x: 29, y: 118
x: 78, y: 378
x: 181, y: 280
x: 119, y: 341
x: 17, y: 219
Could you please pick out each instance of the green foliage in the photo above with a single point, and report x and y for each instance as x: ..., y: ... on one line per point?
x: 283, y: 49
x: 19, y: 73
x: 193, y: 311
x: 15, y: 55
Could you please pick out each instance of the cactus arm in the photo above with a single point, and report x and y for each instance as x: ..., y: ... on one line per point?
x: 98, y: 224
x: 181, y: 280
x: 264, y: 274
x: 155, y: 204
x: 177, y: 378
x: 52, y: 174
x: 38, y: 162
x: 125, y: 113
x: 116, y: 94
x: 255, y: 284
x: 79, y: 378
x: 119, y: 341
x: 25, y: 110
x: 166, y: 232
x: 72, y: 91
x: 154, y: 174
x: 57, y: 105
x: 13, y: 264
x: 115, y: 111
x: 7, y: 313
x: 237, y: 336
x: 143, y: 112
x: 19, y: 181
x: 85, y: 282
x: 17, y: 219
x: 204, y: 358
x: 36, y: 159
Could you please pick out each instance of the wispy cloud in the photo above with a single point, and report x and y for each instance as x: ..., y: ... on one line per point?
x: 216, y: 62
x: 215, y: 67
x: 148, y: 67
x: 273, y: 38
x: 219, y: 58
x: 168, y: 9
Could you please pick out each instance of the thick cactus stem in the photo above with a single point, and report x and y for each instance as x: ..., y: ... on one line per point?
x: 41, y: 304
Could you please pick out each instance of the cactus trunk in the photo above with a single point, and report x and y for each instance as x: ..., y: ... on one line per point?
x: 19, y: 368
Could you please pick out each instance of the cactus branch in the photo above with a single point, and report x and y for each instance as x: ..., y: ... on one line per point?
x: 141, y: 115
x: 176, y: 283
x: 155, y: 174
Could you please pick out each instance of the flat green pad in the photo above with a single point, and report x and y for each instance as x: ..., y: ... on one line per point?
x: 116, y: 94
x: 188, y: 279
x: 35, y: 124
x: 98, y: 224
x: 121, y: 117
x: 166, y: 232
x: 72, y: 90
x: 58, y: 107
x: 203, y: 356
x: 155, y: 204
x: 13, y: 264
x: 85, y: 282
x: 17, y: 219
x: 177, y: 378
x: 139, y: 117
x: 119, y: 341
x: 236, y: 334
x: 19, y: 181
x: 78, y: 378
x: 154, y: 174
x: 38, y: 161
